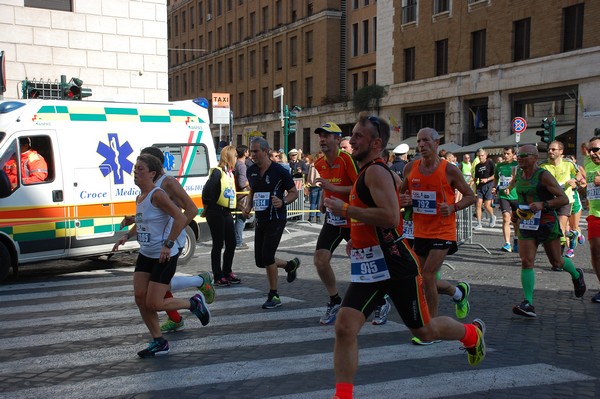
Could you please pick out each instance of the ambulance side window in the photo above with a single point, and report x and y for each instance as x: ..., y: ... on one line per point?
x: 37, y: 161
x: 174, y: 165
x: 9, y: 170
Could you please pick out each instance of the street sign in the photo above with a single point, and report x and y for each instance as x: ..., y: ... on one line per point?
x: 278, y: 92
x: 519, y: 125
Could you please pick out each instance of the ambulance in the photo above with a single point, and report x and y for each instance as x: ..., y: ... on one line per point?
x: 90, y: 149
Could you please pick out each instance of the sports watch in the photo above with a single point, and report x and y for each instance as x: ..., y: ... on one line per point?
x: 169, y: 244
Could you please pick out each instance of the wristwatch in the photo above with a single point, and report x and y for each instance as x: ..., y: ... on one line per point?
x: 169, y: 244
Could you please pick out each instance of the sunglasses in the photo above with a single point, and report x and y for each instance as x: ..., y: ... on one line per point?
x: 594, y: 149
x: 524, y: 155
x: 374, y: 120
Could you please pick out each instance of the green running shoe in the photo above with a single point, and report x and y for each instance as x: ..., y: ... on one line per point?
x: 171, y: 326
x: 477, y: 353
x: 207, y: 287
x: 462, y: 307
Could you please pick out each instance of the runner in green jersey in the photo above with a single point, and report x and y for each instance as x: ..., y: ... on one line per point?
x: 538, y: 196
x: 592, y: 177
x: 503, y: 175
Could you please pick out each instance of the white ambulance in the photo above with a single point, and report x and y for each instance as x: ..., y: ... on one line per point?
x: 90, y: 149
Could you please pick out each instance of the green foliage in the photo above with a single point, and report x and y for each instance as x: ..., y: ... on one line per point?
x: 368, y: 97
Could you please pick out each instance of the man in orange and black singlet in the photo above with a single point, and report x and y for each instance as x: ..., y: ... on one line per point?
x: 431, y: 183
x: 382, y: 261
x: 337, y: 172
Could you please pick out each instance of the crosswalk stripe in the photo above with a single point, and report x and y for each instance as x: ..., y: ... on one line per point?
x: 457, y: 383
x: 235, y: 371
x: 182, y: 346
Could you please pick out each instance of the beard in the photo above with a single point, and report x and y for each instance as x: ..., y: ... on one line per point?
x: 359, y: 156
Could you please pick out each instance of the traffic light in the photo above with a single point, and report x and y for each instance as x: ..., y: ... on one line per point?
x: 74, y: 91
x: 547, y: 132
x: 292, y: 123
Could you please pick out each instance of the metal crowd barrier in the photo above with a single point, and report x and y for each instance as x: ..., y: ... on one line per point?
x: 464, y: 230
x: 295, y: 210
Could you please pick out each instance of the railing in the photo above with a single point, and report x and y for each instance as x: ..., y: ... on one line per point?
x: 296, y: 209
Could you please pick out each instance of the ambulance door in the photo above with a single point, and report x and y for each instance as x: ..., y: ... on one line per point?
x: 34, y: 214
x: 93, y: 205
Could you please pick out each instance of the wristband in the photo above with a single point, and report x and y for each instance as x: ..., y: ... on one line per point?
x: 546, y: 206
x: 345, y: 209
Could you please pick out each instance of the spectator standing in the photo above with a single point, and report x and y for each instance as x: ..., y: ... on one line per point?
x: 241, y: 186
x: 314, y: 191
x: 219, y: 198
x: 345, y: 144
x: 484, y: 176
x: 400, y: 159
x: 297, y: 166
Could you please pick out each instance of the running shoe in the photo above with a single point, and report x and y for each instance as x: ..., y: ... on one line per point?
x: 579, y: 284
x: 417, y: 341
x: 222, y: 282
x: 272, y: 302
x: 506, y: 247
x: 242, y: 246
x: 381, y: 313
x: 233, y: 279
x: 330, y: 314
x: 581, y: 238
x: 476, y: 353
x: 570, y: 253
x: 155, y: 349
x: 207, y: 287
x: 199, y: 308
x: 463, y: 307
x: 291, y: 268
x: 477, y: 226
x: 171, y: 326
x: 493, y: 221
x: 524, y: 309
x: 516, y: 245
x: 596, y: 298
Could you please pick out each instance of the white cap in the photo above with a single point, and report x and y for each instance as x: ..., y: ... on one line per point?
x: 401, y: 149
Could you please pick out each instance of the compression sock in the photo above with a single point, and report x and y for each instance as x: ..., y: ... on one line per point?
x: 336, y: 299
x: 173, y: 314
x: 470, y: 338
x: 528, y: 283
x: 181, y: 282
x: 570, y: 268
x: 343, y: 390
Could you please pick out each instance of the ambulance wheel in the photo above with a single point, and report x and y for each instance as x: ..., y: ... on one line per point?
x: 189, y: 247
x: 5, y: 261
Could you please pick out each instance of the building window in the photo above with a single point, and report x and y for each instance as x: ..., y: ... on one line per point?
x: 252, y: 63
x: 306, y: 137
x: 219, y: 7
x: 209, y: 44
x: 374, y: 76
x: 229, y: 33
x: 241, y: 67
x: 375, y: 34
x: 309, y: 46
x: 201, y: 79
x: 365, y: 76
x: 266, y: 109
x: 409, y: 64
x: 185, y: 85
x: 219, y: 38
x: 200, y: 13
x: 409, y: 11
x: 279, y: 12
x: 211, y: 76
x: 573, y: 27
x: 294, y: 9
x: 240, y: 106
x: 219, y: 73
x: 308, y: 87
x: 415, y: 121
x: 184, y: 52
x: 193, y: 49
x: 521, y: 39
x: 209, y: 7
x: 309, y: 8
x: 354, y: 40
x: 293, y: 51
x: 183, y: 21
x: 365, y: 36
x: 230, y: 70
x: 293, y: 91
x: 60, y: 5
x: 265, y: 19
x: 241, y: 29
x: 354, y: 82
x: 253, y: 102
x: 441, y: 57
x: 440, y: 6
x: 279, y: 56
x: 478, y: 48
x: 176, y: 23
x: 265, y: 59
x: 229, y: 5
x: 192, y: 18
x: 252, y: 24
x: 177, y: 87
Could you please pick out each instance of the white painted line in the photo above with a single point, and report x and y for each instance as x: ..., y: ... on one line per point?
x: 112, y: 301
x: 97, y: 388
x: 457, y: 383
x: 231, y: 341
x: 136, y: 327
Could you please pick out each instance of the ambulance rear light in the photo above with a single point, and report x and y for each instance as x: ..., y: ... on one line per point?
x: 9, y: 106
x: 201, y: 101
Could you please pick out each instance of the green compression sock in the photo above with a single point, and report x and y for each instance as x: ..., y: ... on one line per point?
x: 570, y: 268
x: 528, y: 283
